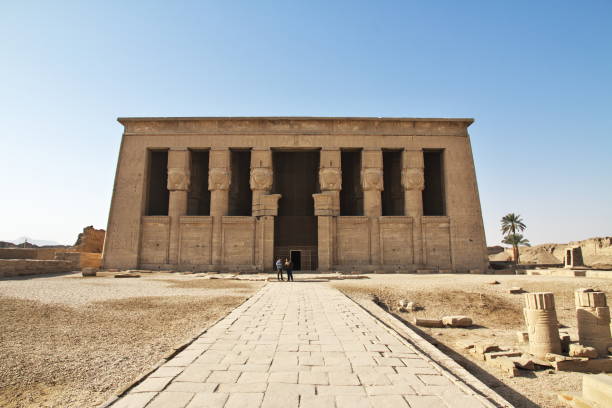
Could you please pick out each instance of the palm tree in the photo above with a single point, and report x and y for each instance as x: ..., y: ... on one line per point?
x: 511, y: 225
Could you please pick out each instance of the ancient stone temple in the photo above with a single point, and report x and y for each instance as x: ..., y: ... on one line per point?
x: 233, y: 194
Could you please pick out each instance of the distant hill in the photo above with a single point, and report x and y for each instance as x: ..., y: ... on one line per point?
x: 37, y: 242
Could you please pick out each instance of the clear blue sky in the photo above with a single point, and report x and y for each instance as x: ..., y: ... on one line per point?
x: 536, y: 76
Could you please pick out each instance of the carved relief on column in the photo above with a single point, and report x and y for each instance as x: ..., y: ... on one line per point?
x: 372, y: 181
x: 330, y: 177
x: 219, y: 178
x: 413, y: 181
x: 262, y: 178
x: 542, y: 325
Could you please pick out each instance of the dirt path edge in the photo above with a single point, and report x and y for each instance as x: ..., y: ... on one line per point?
x: 124, y: 390
x: 446, y: 364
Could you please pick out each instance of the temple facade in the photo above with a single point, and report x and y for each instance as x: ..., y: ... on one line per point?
x: 331, y: 194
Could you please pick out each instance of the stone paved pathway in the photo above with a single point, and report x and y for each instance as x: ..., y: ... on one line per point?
x: 299, y: 345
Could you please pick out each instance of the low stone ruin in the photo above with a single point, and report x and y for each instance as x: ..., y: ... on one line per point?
x: 573, y: 257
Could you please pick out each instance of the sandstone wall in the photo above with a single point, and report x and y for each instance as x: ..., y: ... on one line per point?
x: 29, y: 253
x: 21, y: 267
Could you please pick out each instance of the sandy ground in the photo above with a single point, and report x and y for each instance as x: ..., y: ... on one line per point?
x: 69, y: 341
x: 497, y: 314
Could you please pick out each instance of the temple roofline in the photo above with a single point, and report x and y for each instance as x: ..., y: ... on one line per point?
x: 124, y: 120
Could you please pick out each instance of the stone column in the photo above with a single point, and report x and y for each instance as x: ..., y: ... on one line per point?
x: 219, y: 179
x: 542, y: 324
x: 179, y: 163
x: 261, y: 177
x: 327, y: 205
x: 593, y: 316
x: 268, y: 209
x: 413, y: 181
x: 372, y: 183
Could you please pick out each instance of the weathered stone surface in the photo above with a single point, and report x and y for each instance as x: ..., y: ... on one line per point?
x: 578, y: 350
x: 177, y: 235
x: 541, y: 319
x: 593, y: 318
x: 515, y: 290
x: 89, y: 271
x: 457, y: 321
x: 428, y: 322
x: 309, y: 316
x: 597, y: 388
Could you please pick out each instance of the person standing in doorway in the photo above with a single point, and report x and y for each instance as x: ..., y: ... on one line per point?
x: 289, y: 268
x: 279, y: 269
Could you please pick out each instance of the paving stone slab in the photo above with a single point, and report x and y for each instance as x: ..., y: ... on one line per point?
x: 300, y: 345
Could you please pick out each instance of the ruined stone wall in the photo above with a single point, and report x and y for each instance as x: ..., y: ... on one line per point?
x: 29, y: 253
x: 22, y: 267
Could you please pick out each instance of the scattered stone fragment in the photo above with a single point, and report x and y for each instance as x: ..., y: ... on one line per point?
x: 578, y: 350
x: 524, y: 362
x: 499, y: 354
x: 515, y: 290
x: 428, y: 322
x: 482, y: 348
x: 506, y: 365
x: 523, y: 337
x: 493, y: 282
x: 584, y: 365
x: 457, y: 321
x: 127, y: 275
x: 610, y: 350
x: 465, y: 345
x: 89, y: 271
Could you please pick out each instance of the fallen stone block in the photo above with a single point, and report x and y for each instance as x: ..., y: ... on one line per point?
x: 482, y: 348
x: 515, y: 290
x: 597, y: 388
x: 578, y: 350
x: 127, y: 275
x: 465, y: 345
x: 575, y: 399
x: 493, y: 282
x: 89, y: 272
x: 457, y: 321
x: 499, y: 354
x: 585, y: 365
x: 523, y: 337
x: 506, y: 365
x: 428, y: 322
x: 524, y: 362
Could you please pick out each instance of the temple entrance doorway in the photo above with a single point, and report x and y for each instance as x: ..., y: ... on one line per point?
x: 295, y: 227
x: 296, y: 259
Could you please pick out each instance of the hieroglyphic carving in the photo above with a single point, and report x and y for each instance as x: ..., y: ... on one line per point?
x: 372, y: 179
x: 413, y: 178
x: 542, y: 325
x: 178, y: 179
x: 261, y: 178
x: 330, y: 179
x: 219, y: 178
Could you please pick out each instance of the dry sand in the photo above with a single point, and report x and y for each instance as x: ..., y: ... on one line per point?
x: 69, y: 341
x: 497, y: 314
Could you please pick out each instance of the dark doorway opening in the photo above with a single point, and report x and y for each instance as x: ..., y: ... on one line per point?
x: 157, y: 183
x: 433, y: 195
x: 393, y: 193
x: 240, y: 194
x: 296, y: 259
x: 199, y: 196
x: 295, y: 227
x: 351, y: 195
